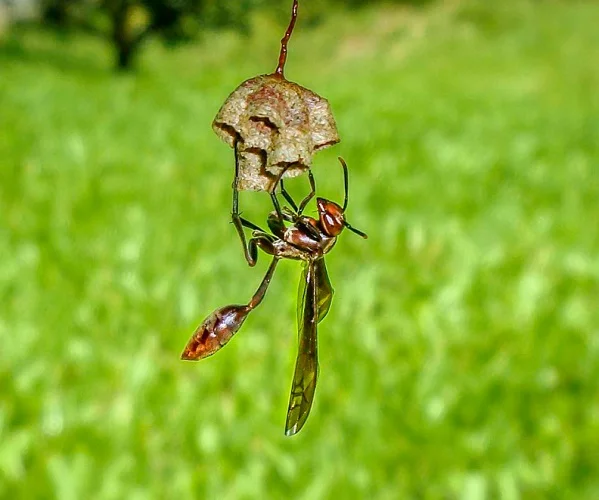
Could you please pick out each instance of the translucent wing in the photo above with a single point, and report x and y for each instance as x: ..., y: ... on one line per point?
x: 324, y: 290
x: 306, y: 365
x: 302, y: 289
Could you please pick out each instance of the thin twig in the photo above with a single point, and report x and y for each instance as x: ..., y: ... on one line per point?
x: 285, y: 40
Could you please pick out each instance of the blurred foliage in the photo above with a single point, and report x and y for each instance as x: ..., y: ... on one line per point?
x: 460, y: 358
x: 126, y: 23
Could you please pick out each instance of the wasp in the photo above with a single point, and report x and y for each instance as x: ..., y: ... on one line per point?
x: 293, y: 236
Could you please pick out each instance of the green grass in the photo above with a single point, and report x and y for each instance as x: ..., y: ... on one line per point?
x: 460, y: 358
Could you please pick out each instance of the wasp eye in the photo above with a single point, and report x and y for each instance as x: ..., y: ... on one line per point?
x: 331, y: 217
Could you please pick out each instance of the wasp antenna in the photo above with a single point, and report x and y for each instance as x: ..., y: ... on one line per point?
x: 354, y: 230
x: 345, y: 181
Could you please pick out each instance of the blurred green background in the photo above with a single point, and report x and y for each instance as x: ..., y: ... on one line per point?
x: 460, y: 358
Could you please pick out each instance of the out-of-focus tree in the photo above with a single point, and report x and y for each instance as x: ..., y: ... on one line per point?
x: 126, y: 24
x: 56, y: 12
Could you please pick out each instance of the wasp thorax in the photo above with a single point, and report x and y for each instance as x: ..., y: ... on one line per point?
x: 332, y: 219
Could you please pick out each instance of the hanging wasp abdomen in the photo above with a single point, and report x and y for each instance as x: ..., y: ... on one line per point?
x: 216, y: 330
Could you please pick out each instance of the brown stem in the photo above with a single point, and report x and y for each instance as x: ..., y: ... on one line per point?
x: 285, y: 40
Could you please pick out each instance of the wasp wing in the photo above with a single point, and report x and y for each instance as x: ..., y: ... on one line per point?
x: 324, y: 289
x: 306, y: 365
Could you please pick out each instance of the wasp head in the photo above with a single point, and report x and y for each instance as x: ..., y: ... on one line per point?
x: 331, y: 216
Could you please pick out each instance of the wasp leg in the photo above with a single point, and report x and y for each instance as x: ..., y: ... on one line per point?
x: 310, y: 195
x: 238, y: 222
x: 288, y: 197
x: 251, y: 225
x: 273, y: 194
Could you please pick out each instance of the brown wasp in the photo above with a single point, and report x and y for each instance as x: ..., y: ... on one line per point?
x: 298, y: 237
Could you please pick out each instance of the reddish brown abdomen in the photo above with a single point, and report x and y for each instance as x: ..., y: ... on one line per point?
x: 216, y: 330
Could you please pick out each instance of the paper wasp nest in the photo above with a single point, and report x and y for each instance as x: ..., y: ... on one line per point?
x: 275, y: 124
